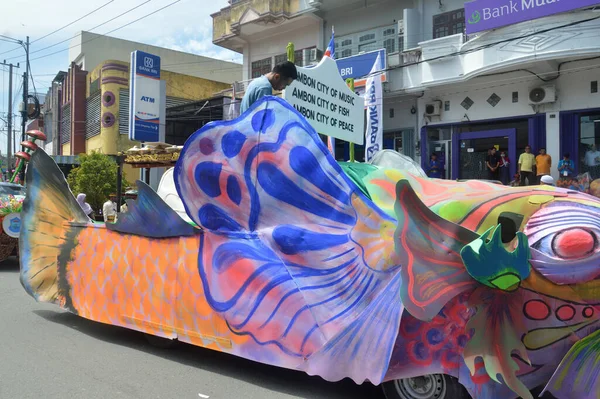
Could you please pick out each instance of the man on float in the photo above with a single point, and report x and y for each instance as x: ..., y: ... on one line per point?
x: 278, y: 79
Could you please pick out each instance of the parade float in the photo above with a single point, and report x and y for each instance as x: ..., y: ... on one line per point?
x: 11, y: 200
x: 431, y: 288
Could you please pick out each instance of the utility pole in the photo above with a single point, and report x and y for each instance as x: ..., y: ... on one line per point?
x: 25, y: 113
x: 9, y: 121
x: 25, y: 91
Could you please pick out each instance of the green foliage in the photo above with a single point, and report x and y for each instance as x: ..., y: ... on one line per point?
x: 96, y: 176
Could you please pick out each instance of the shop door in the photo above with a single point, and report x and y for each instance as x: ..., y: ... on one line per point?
x: 443, y: 150
x: 473, y: 150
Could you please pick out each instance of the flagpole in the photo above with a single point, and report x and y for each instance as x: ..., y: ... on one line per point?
x: 350, y: 83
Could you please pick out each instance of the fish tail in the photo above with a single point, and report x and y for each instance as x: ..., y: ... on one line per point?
x: 47, y: 238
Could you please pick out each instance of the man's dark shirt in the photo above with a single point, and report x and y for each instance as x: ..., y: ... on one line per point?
x: 493, y: 161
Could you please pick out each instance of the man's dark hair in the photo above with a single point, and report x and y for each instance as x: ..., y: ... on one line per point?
x: 286, y: 70
x: 567, y: 155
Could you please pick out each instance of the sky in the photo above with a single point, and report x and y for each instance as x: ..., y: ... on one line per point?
x: 185, y: 25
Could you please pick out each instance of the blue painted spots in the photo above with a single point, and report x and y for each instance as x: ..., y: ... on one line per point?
x: 233, y: 190
x: 279, y: 186
x: 214, y: 218
x: 293, y: 240
x: 306, y: 165
x: 232, y: 143
x: 263, y: 120
x: 207, y: 176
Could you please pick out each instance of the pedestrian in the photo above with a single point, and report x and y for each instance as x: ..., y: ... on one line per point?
x: 435, y: 167
x: 278, y: 79
x: 547, y: 180
x: 566, y: 167
x: 492, y: 164
x: 516, y: 182
x: 526, y: 166
x: 87, y: 209
x: 543, y: 164
x: 576, y: 185
x: 504, y: 168
x: 109, y: 209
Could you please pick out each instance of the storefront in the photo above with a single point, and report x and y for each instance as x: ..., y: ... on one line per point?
x: 462, y: 147
x: 400, y: 140
x: 580, y: 138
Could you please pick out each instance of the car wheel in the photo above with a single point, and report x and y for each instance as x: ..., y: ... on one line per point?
x: 160, y: 342
x: 431, y: 386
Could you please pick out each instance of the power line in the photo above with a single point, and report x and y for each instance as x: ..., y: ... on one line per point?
x: 97, y: 26
x: 71, y: 23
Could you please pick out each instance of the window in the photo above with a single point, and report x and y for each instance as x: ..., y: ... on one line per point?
x: 366, y: 38
x: 389, y: 32
x: 280, y: 58
x: 589, y: 142
x: 261, y: 67
x: 449, y: 23
x: 346, y: 53
x: 390, y: 45
x: 364, y: 48
x: 347, y: 42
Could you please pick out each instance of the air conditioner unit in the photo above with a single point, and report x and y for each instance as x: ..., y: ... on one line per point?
x: 542, y: 95
x: 433, y: 108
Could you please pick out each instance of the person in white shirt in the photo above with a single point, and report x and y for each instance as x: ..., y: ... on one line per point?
x: 109, y: 210
x: 592, y: 156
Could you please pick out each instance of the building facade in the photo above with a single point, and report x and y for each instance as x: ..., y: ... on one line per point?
x: 530, y: 83
x: 95, y: 111
x: 88, y: 50
x: 446, y: 91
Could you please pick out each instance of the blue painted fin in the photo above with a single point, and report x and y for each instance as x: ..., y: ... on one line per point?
x: 263, y: 169
x: 150, y: 216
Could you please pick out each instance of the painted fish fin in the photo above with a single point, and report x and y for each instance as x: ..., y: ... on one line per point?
x: 429, y: 250
x: 266, y: 168
x: 49, y: 203
x: 150, y: 216
x: 578, y: 375
x: 295, y: 257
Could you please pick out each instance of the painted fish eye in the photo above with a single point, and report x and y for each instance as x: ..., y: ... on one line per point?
x: 574, y: 243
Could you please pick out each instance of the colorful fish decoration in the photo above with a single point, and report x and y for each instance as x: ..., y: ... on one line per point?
x: 372, y: 275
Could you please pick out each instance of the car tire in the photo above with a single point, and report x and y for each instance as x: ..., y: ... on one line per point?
x: 432, y: 386
x: 160, y: 342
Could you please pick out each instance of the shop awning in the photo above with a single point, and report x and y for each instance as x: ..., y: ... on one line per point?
x: 65, y: 159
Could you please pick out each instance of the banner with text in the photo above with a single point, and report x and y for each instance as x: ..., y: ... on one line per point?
x: 374, y: 104
x: 146, y: 105
x: 322, y: 96
x: 483, y: 15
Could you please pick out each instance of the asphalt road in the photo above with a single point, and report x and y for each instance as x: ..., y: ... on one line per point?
x: 48, y: 353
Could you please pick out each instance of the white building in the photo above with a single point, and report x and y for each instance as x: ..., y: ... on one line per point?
x: 88, y: 50
x: 531, y: 82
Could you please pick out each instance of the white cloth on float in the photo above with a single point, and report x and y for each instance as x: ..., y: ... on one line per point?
x: 168, y: 192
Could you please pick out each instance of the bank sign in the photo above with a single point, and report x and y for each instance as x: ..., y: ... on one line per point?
x: 359, y: 66
x: 146, y: 103
x: 483, y: 15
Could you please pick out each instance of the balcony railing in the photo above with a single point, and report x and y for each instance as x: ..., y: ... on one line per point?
x: 226, y: 22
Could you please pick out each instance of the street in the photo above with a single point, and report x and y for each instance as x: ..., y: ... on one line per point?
x: 48, y: 353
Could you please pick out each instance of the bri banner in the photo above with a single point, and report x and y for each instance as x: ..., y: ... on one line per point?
x: 374, y: 104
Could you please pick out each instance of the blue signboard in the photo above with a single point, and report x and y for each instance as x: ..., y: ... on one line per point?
x: 359, y: 66
x: 147, y: 65
x: 145, y: 103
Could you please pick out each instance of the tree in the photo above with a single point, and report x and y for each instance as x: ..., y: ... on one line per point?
x: 96, y: 177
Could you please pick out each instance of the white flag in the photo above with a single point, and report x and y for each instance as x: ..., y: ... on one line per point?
x: 374, y: 104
